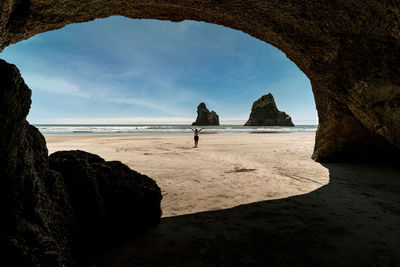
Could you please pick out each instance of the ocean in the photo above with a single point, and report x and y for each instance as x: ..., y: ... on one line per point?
x: 146, y: 129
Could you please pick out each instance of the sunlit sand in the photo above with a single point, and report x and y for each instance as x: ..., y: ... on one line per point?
x: 226, y: 170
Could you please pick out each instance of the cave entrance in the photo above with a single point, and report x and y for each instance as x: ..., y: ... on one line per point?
x: 356, y: 95
x: 101, y: 71
x: 347, y: 49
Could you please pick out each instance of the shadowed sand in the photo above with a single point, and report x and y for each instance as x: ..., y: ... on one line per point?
x: 295, y: 211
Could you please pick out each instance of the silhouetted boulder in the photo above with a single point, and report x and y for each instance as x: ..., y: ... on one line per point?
x: 265, y: 113
x: 205, y: 117
x: 107, y: 197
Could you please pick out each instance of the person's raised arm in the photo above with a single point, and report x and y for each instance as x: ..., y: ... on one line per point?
x: 191, y: 129
x: 200, y: 129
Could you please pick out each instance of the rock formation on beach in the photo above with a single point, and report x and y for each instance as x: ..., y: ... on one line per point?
x: 54, y: 209
x: 265, y: 113
x: 205, y: 117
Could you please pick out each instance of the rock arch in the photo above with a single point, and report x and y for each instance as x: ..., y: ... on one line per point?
x: 350, y: 51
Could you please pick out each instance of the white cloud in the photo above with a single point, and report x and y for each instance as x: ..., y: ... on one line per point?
x: 54, y: 85
x: 127, y: 74
x: 161, y: 94
x: 152, y: 104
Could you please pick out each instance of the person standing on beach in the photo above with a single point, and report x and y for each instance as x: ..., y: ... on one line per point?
x: 196, y: 135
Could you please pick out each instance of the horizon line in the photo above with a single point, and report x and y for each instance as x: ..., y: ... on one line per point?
x: 148, y: 120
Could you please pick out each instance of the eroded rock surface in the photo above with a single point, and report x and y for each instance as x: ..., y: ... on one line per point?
x: 48, y: 214
x: 265, y: 113
x: 205, y: 117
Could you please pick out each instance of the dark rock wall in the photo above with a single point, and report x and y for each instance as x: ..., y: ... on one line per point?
x: 341, y: 136
x: 350, y: 50
x: 205, y: 117
x: 265, y: 113
x: 54, y: 214
x: 31, y: 196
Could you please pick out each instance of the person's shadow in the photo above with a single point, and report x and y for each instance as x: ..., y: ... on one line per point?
x: 352, y: 221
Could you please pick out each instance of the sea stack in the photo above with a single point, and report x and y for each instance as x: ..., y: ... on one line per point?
x: 265, y: 113
x: 205, y: 117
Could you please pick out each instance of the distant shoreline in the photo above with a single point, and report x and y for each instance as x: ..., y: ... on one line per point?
x: 164, y: 129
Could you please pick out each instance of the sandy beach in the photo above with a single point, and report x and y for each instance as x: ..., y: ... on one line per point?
x: 253, y: 200
x: 226, y: 170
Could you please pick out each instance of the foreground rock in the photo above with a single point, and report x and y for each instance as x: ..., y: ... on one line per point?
x: 265, y: 113
x: 205, y: 117
x: 107, y: 197
x: 48, y: 215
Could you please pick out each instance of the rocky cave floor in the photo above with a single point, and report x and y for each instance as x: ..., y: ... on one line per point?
x: 352, y: 221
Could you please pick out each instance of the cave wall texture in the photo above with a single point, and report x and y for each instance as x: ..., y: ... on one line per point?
x: 349, y: 49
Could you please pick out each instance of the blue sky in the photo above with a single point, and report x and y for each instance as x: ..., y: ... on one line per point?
x: 116, y: 68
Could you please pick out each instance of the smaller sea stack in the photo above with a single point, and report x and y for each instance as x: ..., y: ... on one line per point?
x: 205, y: 117
x: 265, y: 113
